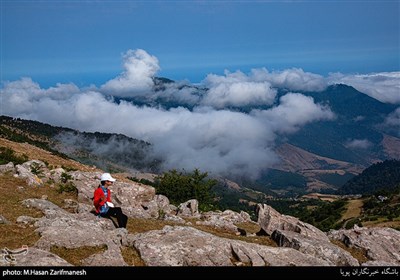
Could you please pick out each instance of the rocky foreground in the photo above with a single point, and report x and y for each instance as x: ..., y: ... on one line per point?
x: 298, y: 243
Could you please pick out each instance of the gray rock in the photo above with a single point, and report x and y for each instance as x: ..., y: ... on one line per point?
x: 318, y: 248
x: 6, y: 168
x: 35, y: 257
x: 270, y: 220
x: 189, y: 208
x: 186, y: 246
x: 381, y: 244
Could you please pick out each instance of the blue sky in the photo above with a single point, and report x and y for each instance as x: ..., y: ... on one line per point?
x: 82, y: 42
x: 61, y: 61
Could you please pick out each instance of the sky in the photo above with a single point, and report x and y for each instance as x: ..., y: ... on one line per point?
x: 82, y: 41
x: 64, y: 62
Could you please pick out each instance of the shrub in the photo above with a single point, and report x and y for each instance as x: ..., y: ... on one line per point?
x: 7, y: 155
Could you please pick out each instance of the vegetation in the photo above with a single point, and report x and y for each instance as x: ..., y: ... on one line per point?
x: 379, y: 176
x: 335, y: 179
x: 66, y: 185
x: 180, y: 187
x: 7, y: 155
x: 32, y: 132
x: 378, y: 206
x: 75, y: 255
x: 14, y: 191
x: 142, y: 181
x: 278, y: 179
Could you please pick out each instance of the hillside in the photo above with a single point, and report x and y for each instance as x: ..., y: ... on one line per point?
x: 115, y: 152
x: 382, y: 176
x: 51, y: 222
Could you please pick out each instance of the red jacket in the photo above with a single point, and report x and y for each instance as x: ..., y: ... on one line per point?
x: 99, y: 199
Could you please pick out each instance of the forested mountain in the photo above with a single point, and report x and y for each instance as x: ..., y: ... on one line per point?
x: 114, y: 152
x: 379, y: 176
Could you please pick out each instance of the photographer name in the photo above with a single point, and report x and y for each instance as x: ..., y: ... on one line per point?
x: 13, y: 272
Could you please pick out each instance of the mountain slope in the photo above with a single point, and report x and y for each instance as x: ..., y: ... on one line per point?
x: 383, y: 176
x: 115, y: 152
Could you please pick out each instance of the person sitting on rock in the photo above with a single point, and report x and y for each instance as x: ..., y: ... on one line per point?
x: 102, y: 201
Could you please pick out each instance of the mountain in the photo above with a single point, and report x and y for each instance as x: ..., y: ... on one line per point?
x: 381, y: 176
x: 230, y: 195
x: 114, y: 152
x: 359, y: 117
x: 324, y: 154
x: 320, y: 156
x: 329, y: 153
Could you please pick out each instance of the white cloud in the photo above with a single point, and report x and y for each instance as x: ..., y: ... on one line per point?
x: 292, y: 79
x: 236, y: 89
x: 358, y: 144
x: 208, y: 136
x: 217, y: 141
x: 139, y: 69
x: 294, y: 111
x: 393, y: 121
x: 384, y: 86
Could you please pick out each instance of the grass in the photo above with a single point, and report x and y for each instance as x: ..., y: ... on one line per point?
x: 353, y: 210
x: 357, y: 253
x: 132, y: 256
x: 13, y: 192
x: 75, y: 255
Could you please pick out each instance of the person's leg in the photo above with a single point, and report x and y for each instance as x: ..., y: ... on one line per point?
x: 108, y: 216
x: 121, y: 217
x: 124, y: 219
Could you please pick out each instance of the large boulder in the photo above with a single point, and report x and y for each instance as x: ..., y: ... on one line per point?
x: 270, y: 220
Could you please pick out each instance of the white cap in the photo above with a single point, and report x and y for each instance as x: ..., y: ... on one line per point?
x: 107, y: 177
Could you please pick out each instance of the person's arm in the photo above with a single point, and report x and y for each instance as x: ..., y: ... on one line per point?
x: 99, y: 198
x: 108, y: 195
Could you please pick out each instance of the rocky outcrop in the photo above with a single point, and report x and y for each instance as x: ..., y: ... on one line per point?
x: 226, y: 220
x: 5, y: 168
x: 189, y: 209
x: 271, y: 220
x: 318, y: 248
x: 35, y: 257
x: 187, y: 246
x: 74, y: 225
x: 61, y: 228
x: 380, y: 244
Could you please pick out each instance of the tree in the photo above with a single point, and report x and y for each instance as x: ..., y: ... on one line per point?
x: 180, y: 187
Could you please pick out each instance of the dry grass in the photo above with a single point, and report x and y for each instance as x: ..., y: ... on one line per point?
x: 75, y: 255
x: 354, y: 208
x: 13, y: 192
x: 136, y: 225
x: 358, y: 254
x: 33, y: 152
x: 132, y: 256
x: 383, y: 222
x: 262, y: 240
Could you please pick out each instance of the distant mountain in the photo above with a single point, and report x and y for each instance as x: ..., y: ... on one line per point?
x: 321, y: 156
x: 329, y: 153
x: 113, y: 152
x: 356, y: 136
x: 380, y: 176
x: 358, y: 118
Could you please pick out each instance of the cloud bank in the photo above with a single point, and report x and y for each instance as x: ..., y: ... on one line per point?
x: 384, y: 86
x: 206, y: 130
